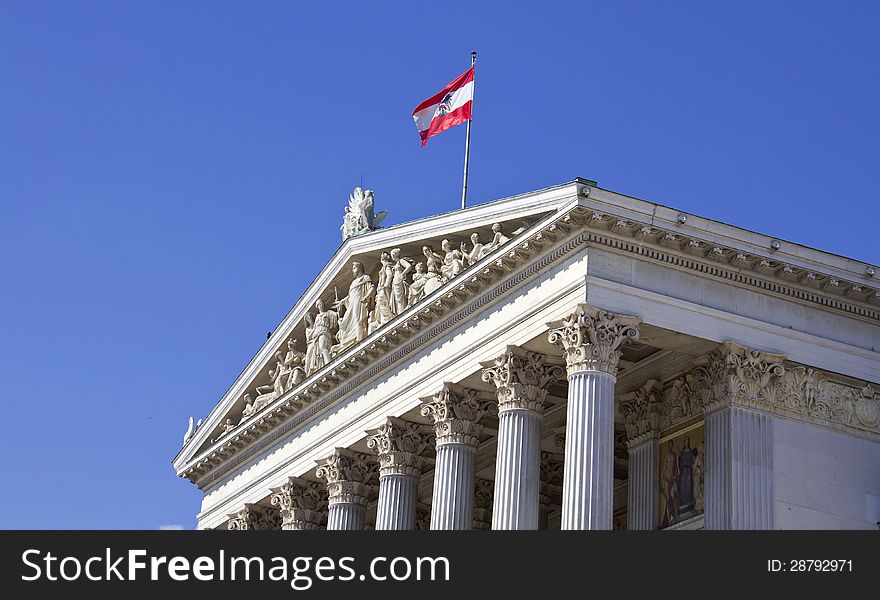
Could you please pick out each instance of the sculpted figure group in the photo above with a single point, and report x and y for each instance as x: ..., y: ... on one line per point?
x: 401, y: 282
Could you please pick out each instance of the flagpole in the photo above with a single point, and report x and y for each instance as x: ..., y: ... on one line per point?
x: 467, y: 143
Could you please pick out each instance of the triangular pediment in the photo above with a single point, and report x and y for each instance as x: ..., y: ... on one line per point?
x: 495, y: 224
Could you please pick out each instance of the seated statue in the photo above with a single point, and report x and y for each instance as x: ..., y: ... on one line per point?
x: 453, y: 262
x: 249, y: 409
x: 267, y: 393
x: 477, y: 251
x: 293, y: 365
x: 433, y: 263
x: 498, y: 240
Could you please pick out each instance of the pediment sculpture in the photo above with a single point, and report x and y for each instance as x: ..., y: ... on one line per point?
x: 371, y: 302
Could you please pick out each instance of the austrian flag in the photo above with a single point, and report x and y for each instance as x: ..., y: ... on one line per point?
x: 447, y: 108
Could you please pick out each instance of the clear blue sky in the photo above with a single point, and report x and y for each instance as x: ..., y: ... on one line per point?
x: 173, y: 175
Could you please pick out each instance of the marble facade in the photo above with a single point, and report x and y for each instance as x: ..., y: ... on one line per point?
x: 528, y: 382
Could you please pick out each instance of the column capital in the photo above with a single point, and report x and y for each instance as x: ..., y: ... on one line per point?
x: 350, y: 476
x: 521, y: 378
x: 591, y: 338
x: 253, y: 517
x: 301, y: 503
x: 457, y: 412
x: 640, y: 410
x: 400, y: 446
x: 734, y: 374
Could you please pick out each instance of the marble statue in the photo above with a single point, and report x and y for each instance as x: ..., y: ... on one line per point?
x: 228, y: 426
x: 248, y: 408
x: 476, y: 252
x: 293, y: 365
x: 453, y: 261
x: 320, y: 331
x: 498, y: 239
x: 355, y: 323
x: 432, y: 278
x: 382, y: 312
x: 417, y: 287
x: 267, y: 393
x: 399, y: 286
x: 359, y: 216
x: 189, y: 432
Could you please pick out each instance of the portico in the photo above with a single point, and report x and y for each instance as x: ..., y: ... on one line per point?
x: 602, y: 364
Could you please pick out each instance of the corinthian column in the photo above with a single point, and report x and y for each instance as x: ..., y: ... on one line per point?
x: 590, y: 339
x: 350, y: 480
x: 737, y: 394
x: 456, y: 413
x: 400, y: 445
x: 302, y: 504
x: 641, y: 415
x: 521, y: 379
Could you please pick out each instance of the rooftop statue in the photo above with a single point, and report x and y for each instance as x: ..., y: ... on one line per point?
x: 359, y: 216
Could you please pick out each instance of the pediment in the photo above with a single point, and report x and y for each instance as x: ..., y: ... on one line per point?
x: 258, y: 384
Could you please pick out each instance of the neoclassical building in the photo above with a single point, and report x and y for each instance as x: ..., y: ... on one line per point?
x: 570, y: 358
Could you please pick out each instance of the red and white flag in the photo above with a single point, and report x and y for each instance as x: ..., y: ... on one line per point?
x: 447, y: 108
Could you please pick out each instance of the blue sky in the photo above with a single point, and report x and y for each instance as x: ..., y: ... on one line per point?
x: 173, y: 175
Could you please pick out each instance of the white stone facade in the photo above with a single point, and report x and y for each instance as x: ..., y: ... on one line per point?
x: 586, y: 360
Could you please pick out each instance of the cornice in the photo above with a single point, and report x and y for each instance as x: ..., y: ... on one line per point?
x: 767, y: 273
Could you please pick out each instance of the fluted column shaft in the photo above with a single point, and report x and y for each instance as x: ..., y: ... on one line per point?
x: 345, y: 515
x: 591, y: 339
x: 588, y: 482
x: 452, y: 507
x: 643, y: 485
x: 521, y: 378
x: 398, y: 496
x: 456, y: 413
x: 399, y: 445
x: 739, y: 469
x: 517, y: 470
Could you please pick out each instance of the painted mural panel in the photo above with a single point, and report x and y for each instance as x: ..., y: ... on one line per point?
x: 681, y: 476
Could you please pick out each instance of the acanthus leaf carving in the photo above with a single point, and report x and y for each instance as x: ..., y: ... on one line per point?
x: 350, y: 476
x: 400, y: 446
x: 521, y: 378
x: 734, y: 374
x: 253, y: 517
x: 457, y: 413
x: 591, y: 337
x: 301, y: 503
